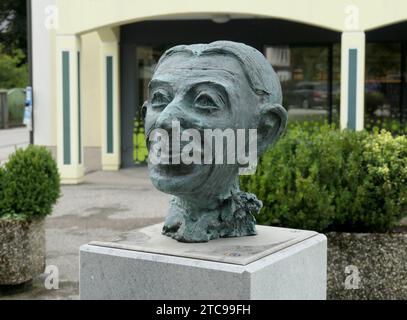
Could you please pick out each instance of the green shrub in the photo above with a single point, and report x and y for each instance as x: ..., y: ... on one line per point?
x: 326, y: 179
x: 30, y: 184
x: 1, y: 189
x: 12, y: 72
x: 393, y: 125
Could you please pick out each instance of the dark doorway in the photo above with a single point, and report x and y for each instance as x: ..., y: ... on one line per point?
x: 386, y: 80
x: 142, y: 44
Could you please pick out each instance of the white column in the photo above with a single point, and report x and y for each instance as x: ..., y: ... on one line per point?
x: 110, y: 115
x: 69, y: 124
x: 353, y: 80
x: 43, y: 72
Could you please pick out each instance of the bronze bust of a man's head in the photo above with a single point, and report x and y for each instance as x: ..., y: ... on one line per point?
x: 218, y: 87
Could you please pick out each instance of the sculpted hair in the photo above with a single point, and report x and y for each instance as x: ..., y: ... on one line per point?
x: 258, y: 71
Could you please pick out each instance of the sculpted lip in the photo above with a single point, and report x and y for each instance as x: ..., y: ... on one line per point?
x: 169, y: 157
x: 175, y: 169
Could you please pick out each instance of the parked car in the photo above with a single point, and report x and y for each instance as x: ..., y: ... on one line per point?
x: 307, y: 94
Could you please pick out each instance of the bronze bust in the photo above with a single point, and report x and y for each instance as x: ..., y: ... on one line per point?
x: 223, y: 86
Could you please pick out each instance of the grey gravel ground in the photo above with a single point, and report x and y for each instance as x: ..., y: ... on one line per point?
x: 381, y: 262
x: 104, y: 206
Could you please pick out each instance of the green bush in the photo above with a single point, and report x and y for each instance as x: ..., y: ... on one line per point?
x: 326, y: 179
x: 1, y: 189
x: 393, y: 125
x: 29, y: 183
x: 13, y: 73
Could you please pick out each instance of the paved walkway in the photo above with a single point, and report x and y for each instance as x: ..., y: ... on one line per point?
x: 106, y: 205
x: 10, y: 139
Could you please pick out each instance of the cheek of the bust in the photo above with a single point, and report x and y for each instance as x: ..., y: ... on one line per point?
x: 249, y: 112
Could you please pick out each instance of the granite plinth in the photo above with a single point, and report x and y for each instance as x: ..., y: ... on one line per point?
x: 278, y: 263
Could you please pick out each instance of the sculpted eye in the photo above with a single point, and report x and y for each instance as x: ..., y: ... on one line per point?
x: 205, y: 101
x: 160, y: 98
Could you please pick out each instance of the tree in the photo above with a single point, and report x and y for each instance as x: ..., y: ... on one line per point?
x: 13, y: 25
x: 13, y: 73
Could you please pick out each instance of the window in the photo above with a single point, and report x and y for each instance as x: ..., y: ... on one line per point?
x: 383, y: 103
x: 306, y: 74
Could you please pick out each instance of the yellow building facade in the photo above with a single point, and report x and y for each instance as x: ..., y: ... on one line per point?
x: 89, y: 57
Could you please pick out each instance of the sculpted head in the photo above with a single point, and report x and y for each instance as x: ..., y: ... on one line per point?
x: 221, y: 85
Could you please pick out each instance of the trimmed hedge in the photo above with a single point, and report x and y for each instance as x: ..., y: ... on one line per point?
x: 326, y: 179
x: 29, y: 184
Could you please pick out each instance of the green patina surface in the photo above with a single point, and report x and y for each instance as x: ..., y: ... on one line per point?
x: 109, y: 104
x: 221, y: 85
x: 66, y: 107
x: 352, y: 87
x: 79, y: 111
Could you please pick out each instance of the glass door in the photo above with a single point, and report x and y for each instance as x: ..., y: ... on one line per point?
x: 304, y: 76
x: 383, y: 86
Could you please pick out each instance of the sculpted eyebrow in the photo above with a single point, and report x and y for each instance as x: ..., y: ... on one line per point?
x: 213, y: 85
x: 158, y: 83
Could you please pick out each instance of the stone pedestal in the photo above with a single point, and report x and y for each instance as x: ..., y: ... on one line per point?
x: 278, y: 263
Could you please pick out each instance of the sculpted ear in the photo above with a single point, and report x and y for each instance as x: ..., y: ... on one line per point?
x: 273, y: 120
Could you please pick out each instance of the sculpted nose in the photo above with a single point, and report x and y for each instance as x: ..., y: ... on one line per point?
x: 167, y: 116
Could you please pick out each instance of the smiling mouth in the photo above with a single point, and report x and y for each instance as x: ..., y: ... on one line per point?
x: 175, y: 169
x: 168, y: 157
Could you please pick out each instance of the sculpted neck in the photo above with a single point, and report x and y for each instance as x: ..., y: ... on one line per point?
x: 202, y: 218
x: 196, y: 204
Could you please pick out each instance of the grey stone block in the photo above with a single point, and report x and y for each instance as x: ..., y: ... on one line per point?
x: 291, y: 265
